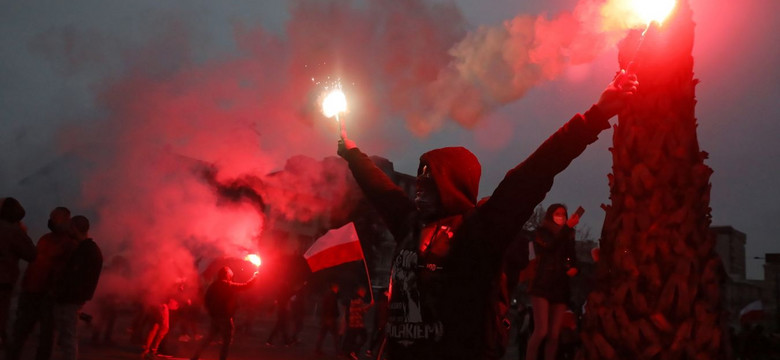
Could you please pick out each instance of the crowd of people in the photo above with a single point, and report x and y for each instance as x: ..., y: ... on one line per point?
x: 448, y: 296
x: 61, y: 276
x: 449, y: 286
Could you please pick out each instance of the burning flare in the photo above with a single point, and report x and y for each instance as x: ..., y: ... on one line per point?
x: 334, y: 103
x: 254, y: 259
x: 654, y: 10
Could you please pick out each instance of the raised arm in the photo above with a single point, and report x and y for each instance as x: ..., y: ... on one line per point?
x: 391, y: 201
x: 525, y: 186
x: 245, y: 285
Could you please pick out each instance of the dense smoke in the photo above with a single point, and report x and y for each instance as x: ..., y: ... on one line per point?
x: 183, y: 149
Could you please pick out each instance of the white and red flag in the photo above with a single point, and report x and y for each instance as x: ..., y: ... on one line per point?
x: 752, y: 312
x: 336, y: 247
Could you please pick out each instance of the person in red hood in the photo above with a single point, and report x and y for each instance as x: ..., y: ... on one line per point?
x: 449, y: 250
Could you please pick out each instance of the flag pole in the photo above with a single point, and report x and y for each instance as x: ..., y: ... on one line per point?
x: 368, y: 276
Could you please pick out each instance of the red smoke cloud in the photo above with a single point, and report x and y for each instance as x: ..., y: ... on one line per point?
x: 167, y: 116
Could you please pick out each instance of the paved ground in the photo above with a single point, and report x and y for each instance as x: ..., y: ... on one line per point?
x: 245, y: 346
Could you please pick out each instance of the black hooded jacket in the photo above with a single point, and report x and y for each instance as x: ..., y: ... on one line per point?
x: 79, y: 279
x: 444, y: 272
x: 14, y: 242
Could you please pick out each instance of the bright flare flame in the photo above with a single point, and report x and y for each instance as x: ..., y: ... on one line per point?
x: 654, y: 10
x: 254, y: 259
x: 334, y: 103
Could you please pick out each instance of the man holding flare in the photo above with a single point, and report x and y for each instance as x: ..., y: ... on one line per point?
x: 449, y: 250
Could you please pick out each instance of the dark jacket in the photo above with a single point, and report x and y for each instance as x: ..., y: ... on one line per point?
x: 556, y: 255
x: 330, y: 306
x: 443, y: 272
x: 54, y: 250
x: 14, y: 242
x: 80, y: 277
x: 221, y: 297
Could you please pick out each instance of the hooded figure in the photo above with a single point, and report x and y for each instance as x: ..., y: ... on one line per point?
x: 449, y: 255
x: 14, y: 245
x: 221, y: 304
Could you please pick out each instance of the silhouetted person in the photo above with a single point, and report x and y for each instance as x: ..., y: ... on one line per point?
x: 298, y: 312
x: 380, y: 321
x: 550, y: 290
x: 76, y: 286
x: 158, y: 314
x: 108, y: 300
x: 329, y: 314
x: 187, y: 316
x: 282, y: 317
x: 525, y: 326
x: 221, y: 305
x: 15, y: 244
x: 756, y: 344
x: 449, y: 250
x: 356, y: 333
x: 36, y: 301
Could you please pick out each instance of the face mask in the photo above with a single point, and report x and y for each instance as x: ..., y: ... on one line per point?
x: 427, y: 196
x: 560, y: 220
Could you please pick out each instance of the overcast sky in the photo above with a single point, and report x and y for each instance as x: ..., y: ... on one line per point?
x: 57, y: 58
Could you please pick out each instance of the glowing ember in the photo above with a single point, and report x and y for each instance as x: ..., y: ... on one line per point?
x: 254, y: 259
x: 334, y: 103
x: 654, y: 10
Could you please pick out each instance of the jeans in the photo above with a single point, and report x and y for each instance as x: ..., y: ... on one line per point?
x: 66, y: 317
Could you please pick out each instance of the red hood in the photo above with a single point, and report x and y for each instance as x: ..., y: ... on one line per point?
x: 456, y: 172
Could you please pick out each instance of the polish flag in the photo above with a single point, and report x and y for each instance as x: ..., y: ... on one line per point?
x: 752, y: 312
x: 336, y: 247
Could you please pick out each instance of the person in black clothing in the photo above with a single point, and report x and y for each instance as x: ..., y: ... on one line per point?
x: 449, y: 250
x: 15, y: 244
x: 525, y: 326
x: 549, y: 290
x: 36, y: 301
x: 282, y: 317
x: 298, y: 312
x: 380, y: 321
x: 221, y: 305
x: 329, y: 315
x: 76, y: 286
